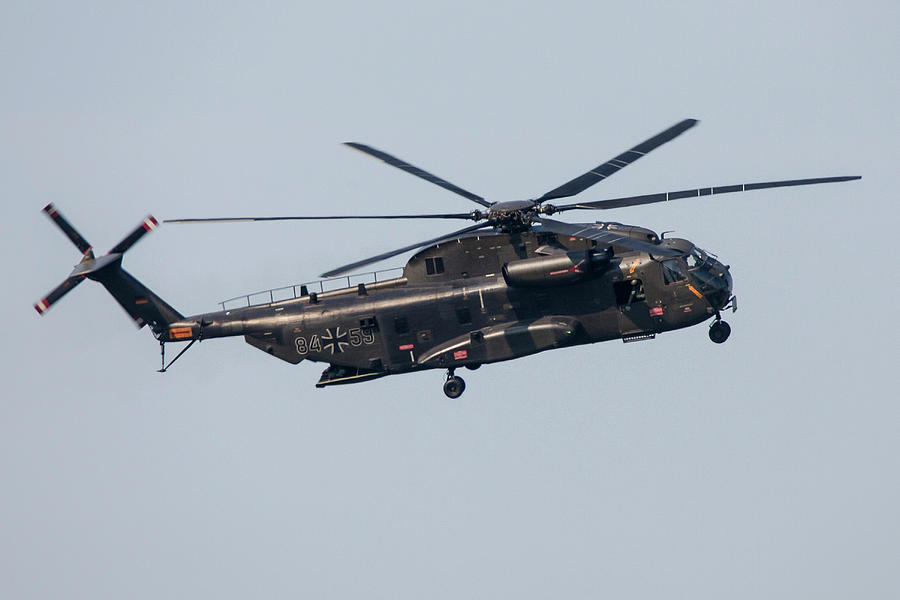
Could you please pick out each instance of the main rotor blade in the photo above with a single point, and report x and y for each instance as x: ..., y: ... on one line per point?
x: 250, y: 219
x: 603, y: 236
x: 73, y: 235
x: 374, y: 259
x: 601, y: 172
x: 412, y: 170
x: 725, y: 189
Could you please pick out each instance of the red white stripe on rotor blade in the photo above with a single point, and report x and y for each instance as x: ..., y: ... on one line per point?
x: 42, y: 306
x: 150, y: 223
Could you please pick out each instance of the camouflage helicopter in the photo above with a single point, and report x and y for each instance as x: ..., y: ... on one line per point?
x: 513, y: 284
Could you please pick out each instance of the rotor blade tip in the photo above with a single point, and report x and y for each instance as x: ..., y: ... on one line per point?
x: 150, y: 223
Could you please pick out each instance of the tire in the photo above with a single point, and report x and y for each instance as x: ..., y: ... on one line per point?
x: 454, y: 387
x: 719, y: 332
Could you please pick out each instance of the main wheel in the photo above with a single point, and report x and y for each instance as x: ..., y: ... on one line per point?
x: 454, y: 387
x: 719, y: 331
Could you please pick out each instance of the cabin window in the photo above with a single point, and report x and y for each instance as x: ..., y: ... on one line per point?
x: 629, y: 291
x: 401, y: 325
x: 463, y: 315
x: 673, y: 272
x: 368, y: 324
x: 434, y: 266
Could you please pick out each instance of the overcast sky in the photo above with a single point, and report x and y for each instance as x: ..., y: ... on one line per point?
x: 764, y: 467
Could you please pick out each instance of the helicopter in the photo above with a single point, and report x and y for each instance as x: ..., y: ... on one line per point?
x: 513, y: 284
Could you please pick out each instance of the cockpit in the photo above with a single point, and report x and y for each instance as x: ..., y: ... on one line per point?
x: 711, y: 277
x: 701, y: 270
x: 695, y: 257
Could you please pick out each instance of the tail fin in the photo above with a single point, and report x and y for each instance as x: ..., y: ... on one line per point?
x: 142, y: 305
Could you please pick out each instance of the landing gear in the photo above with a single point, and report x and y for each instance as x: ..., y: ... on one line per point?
x: 719, y: 331
x: 454, y: 386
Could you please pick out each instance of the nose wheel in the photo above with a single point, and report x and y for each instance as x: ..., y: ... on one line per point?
x: 454, y: 386
x: 719, y: 331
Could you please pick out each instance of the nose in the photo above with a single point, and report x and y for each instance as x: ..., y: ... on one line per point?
x: 723, y: 285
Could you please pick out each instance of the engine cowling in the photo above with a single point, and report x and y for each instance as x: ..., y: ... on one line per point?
x: 557, y: 269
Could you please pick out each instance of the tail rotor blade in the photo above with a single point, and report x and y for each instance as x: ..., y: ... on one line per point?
x: 67, y: 228
x: 146, y: 226
x: 58, y: 292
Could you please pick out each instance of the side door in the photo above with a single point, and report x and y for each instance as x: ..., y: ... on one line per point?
x: 631, y: 306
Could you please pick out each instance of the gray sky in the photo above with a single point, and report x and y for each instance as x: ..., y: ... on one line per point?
x: 765, y: 467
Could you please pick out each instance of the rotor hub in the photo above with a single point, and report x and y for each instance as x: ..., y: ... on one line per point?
x: 513, y: 216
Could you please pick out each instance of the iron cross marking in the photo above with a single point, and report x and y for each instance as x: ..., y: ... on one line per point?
x: 334, y: 340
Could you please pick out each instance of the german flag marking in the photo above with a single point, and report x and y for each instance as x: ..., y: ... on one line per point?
x: 694, y: 291
x: 180, y: 333
x: 141, y: 300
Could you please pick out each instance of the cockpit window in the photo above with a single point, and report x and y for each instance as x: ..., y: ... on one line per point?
x: 673, y: 271
x: 695, y: 258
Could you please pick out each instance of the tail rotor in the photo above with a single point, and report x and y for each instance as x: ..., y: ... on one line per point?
x: 140, y: 303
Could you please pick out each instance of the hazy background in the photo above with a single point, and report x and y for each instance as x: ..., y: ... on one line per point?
x: 765, y: 467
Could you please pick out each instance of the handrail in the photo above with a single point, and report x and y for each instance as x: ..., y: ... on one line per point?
x: 290, y: 292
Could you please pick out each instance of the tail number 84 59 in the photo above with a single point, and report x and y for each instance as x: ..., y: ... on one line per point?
x: 334, y: 340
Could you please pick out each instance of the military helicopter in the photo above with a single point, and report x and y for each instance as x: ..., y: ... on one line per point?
x: 513, y: 284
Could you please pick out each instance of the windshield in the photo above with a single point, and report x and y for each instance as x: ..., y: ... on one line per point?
x: 696, y: 257
x: 705, y: 278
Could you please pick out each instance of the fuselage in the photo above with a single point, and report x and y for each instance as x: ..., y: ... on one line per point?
x: 482, y: 299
